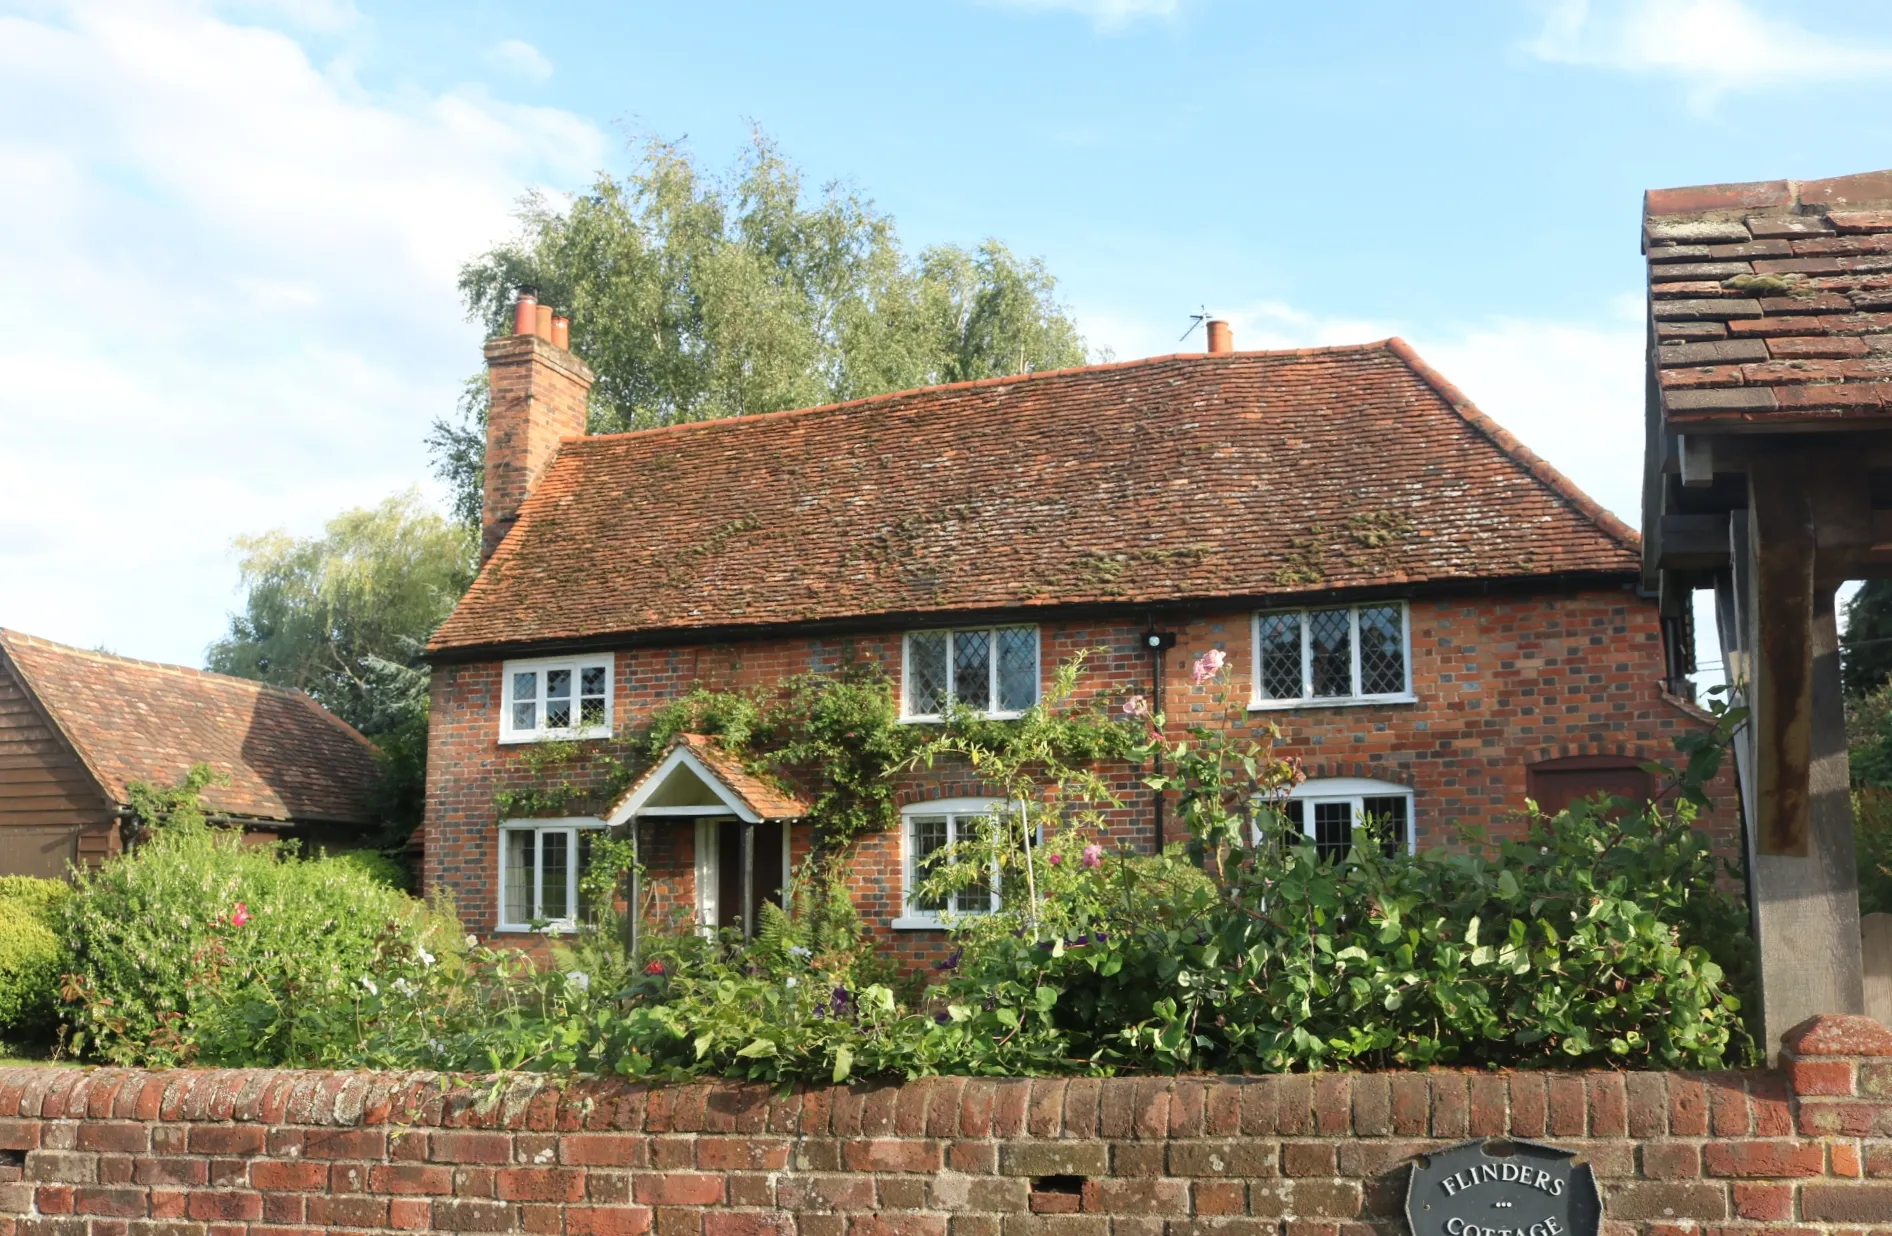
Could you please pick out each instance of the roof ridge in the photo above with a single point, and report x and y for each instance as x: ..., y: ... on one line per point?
x: 1006, y: 379
x: 11, y: 634
x: 1535, y: 465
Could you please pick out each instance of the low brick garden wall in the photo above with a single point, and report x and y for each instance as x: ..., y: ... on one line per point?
x: 1806, y: 1149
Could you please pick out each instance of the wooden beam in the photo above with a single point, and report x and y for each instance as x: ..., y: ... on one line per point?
x: 1693, y: 542
x: 1780, y: 640
x: 1781, y: 545
x: 1698, y: 460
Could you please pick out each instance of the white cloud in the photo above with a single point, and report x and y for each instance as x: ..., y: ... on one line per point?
x: 1572, y: 392
x: 521, y: 59
x: 1103, y: 14
x: 229, y: 301
x: 1714, y: 46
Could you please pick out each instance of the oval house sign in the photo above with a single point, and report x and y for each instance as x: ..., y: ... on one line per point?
x: 1502, y: 1188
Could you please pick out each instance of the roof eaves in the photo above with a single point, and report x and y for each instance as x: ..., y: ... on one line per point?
x: 1530, y: 461
x: 108, y: 790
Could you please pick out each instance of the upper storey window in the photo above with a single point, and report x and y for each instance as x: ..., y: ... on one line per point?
x: 1344, y: 655
x: 991, y: 670
x: 556, y: 698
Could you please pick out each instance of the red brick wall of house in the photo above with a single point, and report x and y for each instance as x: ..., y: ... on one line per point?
x: 1503, y: 682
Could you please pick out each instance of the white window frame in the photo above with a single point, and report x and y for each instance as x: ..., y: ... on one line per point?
x: 911, y: 917
x: 540, y: 666
x: 1355, y: 790
x: 951, y: 633
x: 571, y: 825
x: 1259, y: 702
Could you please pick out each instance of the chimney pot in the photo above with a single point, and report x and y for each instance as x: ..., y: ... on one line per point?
x: 525, y: 314
x: 542, y: 320
x: 561, y: 332
x: 1221, y: 339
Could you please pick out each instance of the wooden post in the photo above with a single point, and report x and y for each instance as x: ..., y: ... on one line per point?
x: 748, y: 881
x: 1875, y: 931
x: 1803, y: 888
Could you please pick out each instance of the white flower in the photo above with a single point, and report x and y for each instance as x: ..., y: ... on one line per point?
x: 796, y: 950
x: 404, y: 987
x: 368, y: 983
x: 790, y: 982
x: 426, y: 958
x: 579, y: 979
x: 472, y: 941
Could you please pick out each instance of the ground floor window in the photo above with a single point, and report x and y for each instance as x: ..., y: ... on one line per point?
x: 1327, y: 809
x: 927, y: 830
x: 539, y: 865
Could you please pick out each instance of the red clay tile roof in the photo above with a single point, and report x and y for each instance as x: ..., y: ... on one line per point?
x: 1177, y: 478
x: 763, y: 799
x: 1772, y: 302
x: 287, y: 757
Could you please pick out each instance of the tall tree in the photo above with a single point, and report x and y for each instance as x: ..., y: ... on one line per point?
x: 1866, y: 648
x: 696, y: 296
x: 344, y: 616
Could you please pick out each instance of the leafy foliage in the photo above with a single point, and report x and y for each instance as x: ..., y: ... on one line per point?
x: 32, y: 956
x: 196, y: 947
x: 158, y: 808
x: 344, y: 616
x: 695, y: 296
x: 1866, y: 644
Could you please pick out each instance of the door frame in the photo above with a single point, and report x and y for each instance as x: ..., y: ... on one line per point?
x: 709, y: 866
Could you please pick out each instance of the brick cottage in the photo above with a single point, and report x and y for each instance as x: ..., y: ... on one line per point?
x: 1438, y: 622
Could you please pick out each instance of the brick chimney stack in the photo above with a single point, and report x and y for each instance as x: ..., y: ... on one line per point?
x: 1221, y: 339
x: 539, y: 397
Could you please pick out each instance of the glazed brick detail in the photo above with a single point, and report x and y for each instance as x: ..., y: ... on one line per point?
x: 262, y: 1153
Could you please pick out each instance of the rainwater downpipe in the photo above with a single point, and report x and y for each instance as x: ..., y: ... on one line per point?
x: 1157, y: 643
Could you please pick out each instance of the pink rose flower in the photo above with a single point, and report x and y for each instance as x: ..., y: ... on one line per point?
x: 1208, y: 665
x: 1093, y: 855
x: 1136, y: 706
x: 240, y: 915
x: 1055, y: 859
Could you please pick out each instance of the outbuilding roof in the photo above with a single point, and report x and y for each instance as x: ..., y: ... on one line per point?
x: 1173, y: 479
x: 1771, y: 302
x: 287, y: 758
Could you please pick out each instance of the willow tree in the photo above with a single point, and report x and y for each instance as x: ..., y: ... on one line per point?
x: 696, y: 295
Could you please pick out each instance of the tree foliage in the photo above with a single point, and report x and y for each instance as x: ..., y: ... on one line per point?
x: 695, y: 296
x: 344, y: 617
x: 1866, y: 647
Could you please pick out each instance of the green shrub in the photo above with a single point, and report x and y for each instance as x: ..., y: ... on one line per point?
x: 32, y: 956
x: 198, y: 948
x: 44, y: 898
x: 374, y: 864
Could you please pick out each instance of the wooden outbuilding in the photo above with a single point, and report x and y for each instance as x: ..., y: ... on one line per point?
x: 78, y: 727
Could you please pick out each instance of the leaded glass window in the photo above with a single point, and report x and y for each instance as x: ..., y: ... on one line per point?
x: 992, y: 670
x: 539, y: 869
x: 1328, y: 811
x: 928, y: 836
x: 1336, y: 654
x: 1330, y: 653
x: 556, y: 699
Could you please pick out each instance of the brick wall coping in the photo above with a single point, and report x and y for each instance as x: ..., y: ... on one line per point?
x: 256, y: 1152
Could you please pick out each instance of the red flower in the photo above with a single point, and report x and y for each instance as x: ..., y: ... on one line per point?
x: 240, y: 915
x: 655, y: 967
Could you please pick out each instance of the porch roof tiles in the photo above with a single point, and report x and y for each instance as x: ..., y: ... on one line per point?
x: 1771, y: 302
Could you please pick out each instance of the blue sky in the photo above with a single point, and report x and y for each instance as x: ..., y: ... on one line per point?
x: 230, y: 230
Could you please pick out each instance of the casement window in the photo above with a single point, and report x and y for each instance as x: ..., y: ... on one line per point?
x: 991, y: 670
x: 926, y: 830
x: 556, y: 699
x: 1328, y: 809
x: 1352, y: 654
x: 539, y: 865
